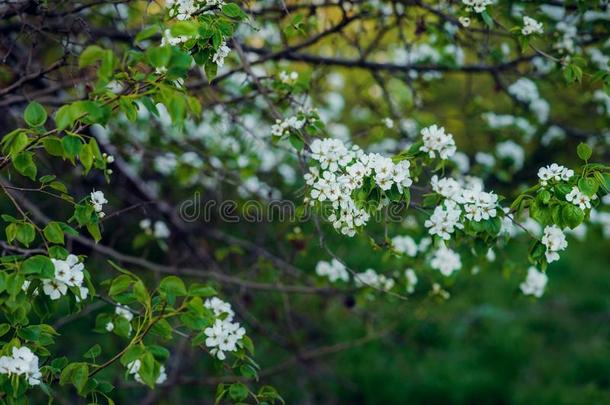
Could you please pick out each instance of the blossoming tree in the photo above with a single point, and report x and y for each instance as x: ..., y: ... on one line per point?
x: 416, y: 131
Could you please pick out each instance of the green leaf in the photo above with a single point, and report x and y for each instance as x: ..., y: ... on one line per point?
x: 53, y: 232
x: 149, y: 369
x: 120, y: 284
x: 201, y: 290
x: 146, y: 33
x: 25, y: 233
x: 47, y: 178
x: 93, y: 352
x: 584, y: 151
x: 24, y: 164
x: 588, y: 185
x: 16, y: 142
x: 72, y: 145
x: 158, y: 56
x: 540, y: 213
x: 107, y: 67
x: 173, y: 286
x: 544, y: 196
x: 296, y: 141
x: 487, y: 19
x: 238, y: 392
x: 177, y: 109
x: 162, y: 328
x: 247, y: 342
x: 86, y: 157
x: 35, y: 115
x: 39, y: 265
x: 129, y: 108
x: 11, y: 232
x: 4, y: 328
x: 572, y: 215
x: 75, y: 373
x: 90, y: 55
x: 64, y: 117
x: 94, y: 231
x: 53, y: 146
x: 232, y: 10
x: 141, y: 293
x: 31, y: 333
x: 184, y: 28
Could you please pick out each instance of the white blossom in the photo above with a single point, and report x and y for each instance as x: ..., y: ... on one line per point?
x: 578, y: 198
x: 446, y: 261
x: 444, y: 220
x: 288, y: 78
x: 98, y: 200
x: 436, y: 141
x: 333, y: 270
x: 221, y: 53
x: 478, y: 5
x: 534, y: 283
x: 554, y: 240
x: 405, y: 244
x: 123, y: 311
x: 370, y: 278
x: 223, y: 336
x: 22, y: 362
x: 531, y: 26
x: 411, y: 280
x: 220, y: 307
x: 133, y: 368
x: 554, y: 172
x: 283, y: 127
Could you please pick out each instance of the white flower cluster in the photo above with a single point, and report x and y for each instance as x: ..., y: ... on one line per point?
x: 478, y: 5
x: 334, y: 270
x: 404, y: 244
x: 344, y: 172
x: 219, y: 307
x: 496, y: 121
x: 182, y: 9
x: 534, y: 283
x: 185, y: 9
x: 221, y: 53
x: 567, y: 41
x: 604, y: 99
x: 531, y: 26
x: 411, y: 280
x: 470, y: 199
x: 22, y: 362
x: 446, y: 260
x: 224, y: 335
x: 283, y: 127
x: 526, y: 91
x: 554, y: 172
x: 436, y: 141
x: 98, y: 200
x: 124, y: 312
x: 370, y: 278
x: 133, y: 368
x: 512, y: 151
x: 445, y: 220
x: 169, y: 39
x: 68, y: 273
x: 554, y: 240
x: 288, y: 78
x: 578, y: 198
x: 159, y: 229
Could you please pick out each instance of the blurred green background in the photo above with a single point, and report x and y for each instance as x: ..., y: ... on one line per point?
x: 487, y: 345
